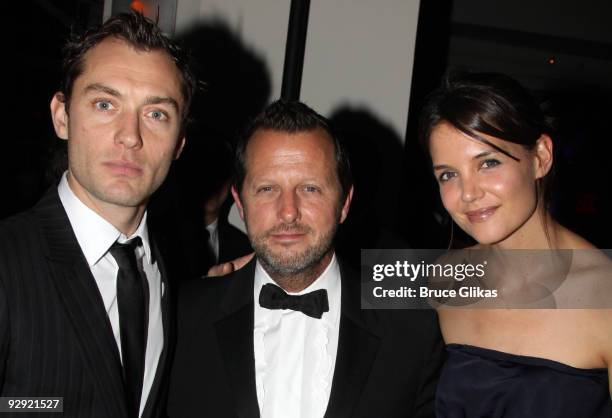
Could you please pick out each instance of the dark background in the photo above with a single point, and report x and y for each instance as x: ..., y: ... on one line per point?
x: 562, y: 50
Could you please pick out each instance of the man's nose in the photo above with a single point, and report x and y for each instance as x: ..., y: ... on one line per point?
x: 289, y: 211
x: 128, y: 130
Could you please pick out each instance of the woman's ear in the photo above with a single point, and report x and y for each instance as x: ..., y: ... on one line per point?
x: 543, y: 156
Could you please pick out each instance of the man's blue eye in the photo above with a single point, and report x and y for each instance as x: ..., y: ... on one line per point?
x: 158, y: 115
x: 103, y: 105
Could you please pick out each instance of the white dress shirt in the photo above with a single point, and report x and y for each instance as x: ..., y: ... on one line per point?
x: 213, y: 238
x: 95, y: 236
x: 295, y: 355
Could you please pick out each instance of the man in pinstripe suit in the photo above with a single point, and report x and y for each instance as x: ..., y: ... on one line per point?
x: 64, y: 329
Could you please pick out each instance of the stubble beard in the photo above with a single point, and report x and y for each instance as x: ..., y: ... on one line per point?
x: 113, y: 192
x: 124, y: 196
x: 292, y: 263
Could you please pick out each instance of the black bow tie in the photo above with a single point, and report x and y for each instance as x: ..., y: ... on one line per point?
x: 312, y: 304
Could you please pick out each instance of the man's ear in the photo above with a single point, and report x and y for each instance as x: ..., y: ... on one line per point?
x: 543, y: 156
x: 346, y: 205
x: 236, y: 197
x: 59, y: 115
x: 179, y: 148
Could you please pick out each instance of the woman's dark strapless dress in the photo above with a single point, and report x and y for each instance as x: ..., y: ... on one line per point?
x: 478, y: 382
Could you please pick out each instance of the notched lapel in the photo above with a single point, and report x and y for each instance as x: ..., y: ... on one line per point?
x: 235, y: 338
x: 83, y: 303
x: 159, y: 252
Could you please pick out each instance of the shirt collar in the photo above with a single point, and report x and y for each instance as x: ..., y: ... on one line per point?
x: 95, y: 234
x: 328, y: 280
x: 213, y: 228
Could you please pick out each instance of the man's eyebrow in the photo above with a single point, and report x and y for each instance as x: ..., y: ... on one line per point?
x: 151, y: 100
x: 102, y: 88
x: 97, y: 87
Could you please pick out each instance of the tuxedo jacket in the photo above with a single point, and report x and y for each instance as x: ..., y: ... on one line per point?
x: 387, y: 362
x: 55, y: 336
x: 233, y: 243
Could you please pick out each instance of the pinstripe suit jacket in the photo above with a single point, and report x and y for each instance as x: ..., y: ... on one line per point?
x: 55, y: 336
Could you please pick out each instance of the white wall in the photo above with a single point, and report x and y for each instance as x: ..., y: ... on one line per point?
x: 261, y: 24
x: 359, y: 53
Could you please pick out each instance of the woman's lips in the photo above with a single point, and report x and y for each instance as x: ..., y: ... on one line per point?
x: 481, y: 215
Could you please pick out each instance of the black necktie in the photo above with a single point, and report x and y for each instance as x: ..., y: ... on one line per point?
x: 132, y: 300
x: 312, y: 304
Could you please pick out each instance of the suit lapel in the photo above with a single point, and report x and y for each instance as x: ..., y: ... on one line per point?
x: 167, y: 303
x: 235, y: 338
x: 82, y: 301
x: 358, y: 343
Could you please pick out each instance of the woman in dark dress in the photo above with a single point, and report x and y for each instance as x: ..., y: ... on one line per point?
x: 492, y: 152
